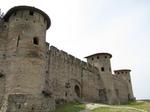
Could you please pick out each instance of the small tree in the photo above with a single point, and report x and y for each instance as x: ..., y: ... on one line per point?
x: 1, y: 15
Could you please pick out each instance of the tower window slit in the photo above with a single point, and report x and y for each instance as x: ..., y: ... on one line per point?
x: 18, y: 40
x: 44, y: 20
x: 31, y: 12
x: 35, y: 41
x: 102, y: 69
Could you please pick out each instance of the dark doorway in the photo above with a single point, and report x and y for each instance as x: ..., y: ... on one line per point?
x: 77, y: 90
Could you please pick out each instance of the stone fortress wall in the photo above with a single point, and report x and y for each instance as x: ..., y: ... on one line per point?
x: 67, y: 72
x: 35, y: 76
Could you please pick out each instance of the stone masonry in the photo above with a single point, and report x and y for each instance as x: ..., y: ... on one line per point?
x: 35, y: 76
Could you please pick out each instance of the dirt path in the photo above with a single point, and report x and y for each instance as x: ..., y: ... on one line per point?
x: 91, y: 106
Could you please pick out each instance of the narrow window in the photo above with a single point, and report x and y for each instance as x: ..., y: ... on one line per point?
x: 97, y: 57
x: 129, y: 80
x: 92, y: 58
x: 102, y: 69
x: 128, y: 96
x: 18, y: 40
x: 35, y: 41
x: 31, y: 13
x: 44, y: 20
x: 109, y: 69
x: 22, y: 14
x: 105, y: 57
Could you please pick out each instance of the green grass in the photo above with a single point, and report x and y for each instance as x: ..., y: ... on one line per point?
x: 109, y: 109
x: 76, y: 107
x: 137, y: 105
x: 70, y: 107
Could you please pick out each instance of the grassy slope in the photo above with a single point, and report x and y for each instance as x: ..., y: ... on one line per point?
x: 70, y: 107
x: 138, y: 105
x: 76, y: 107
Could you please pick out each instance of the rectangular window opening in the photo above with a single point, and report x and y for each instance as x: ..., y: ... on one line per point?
x: 18, y: 40
x: 31, y: 12
x: 35, y: 41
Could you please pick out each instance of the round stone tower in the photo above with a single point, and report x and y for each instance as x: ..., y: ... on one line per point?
x: 26, y: 50
x: 125, y: 74
x: 102, y: 62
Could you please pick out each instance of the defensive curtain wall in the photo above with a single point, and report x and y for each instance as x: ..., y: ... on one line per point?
x: 68, y: 77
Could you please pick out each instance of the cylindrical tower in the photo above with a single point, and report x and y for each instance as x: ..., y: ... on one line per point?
x: 102, y: 62
x: 26, y: 50
x: 125, y: 74
x: 101, y: 59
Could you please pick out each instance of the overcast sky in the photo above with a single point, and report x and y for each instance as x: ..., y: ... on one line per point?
x: 85, y: 27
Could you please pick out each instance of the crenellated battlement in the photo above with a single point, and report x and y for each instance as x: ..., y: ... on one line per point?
x: 71, y: 59
x: 27, y: 13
